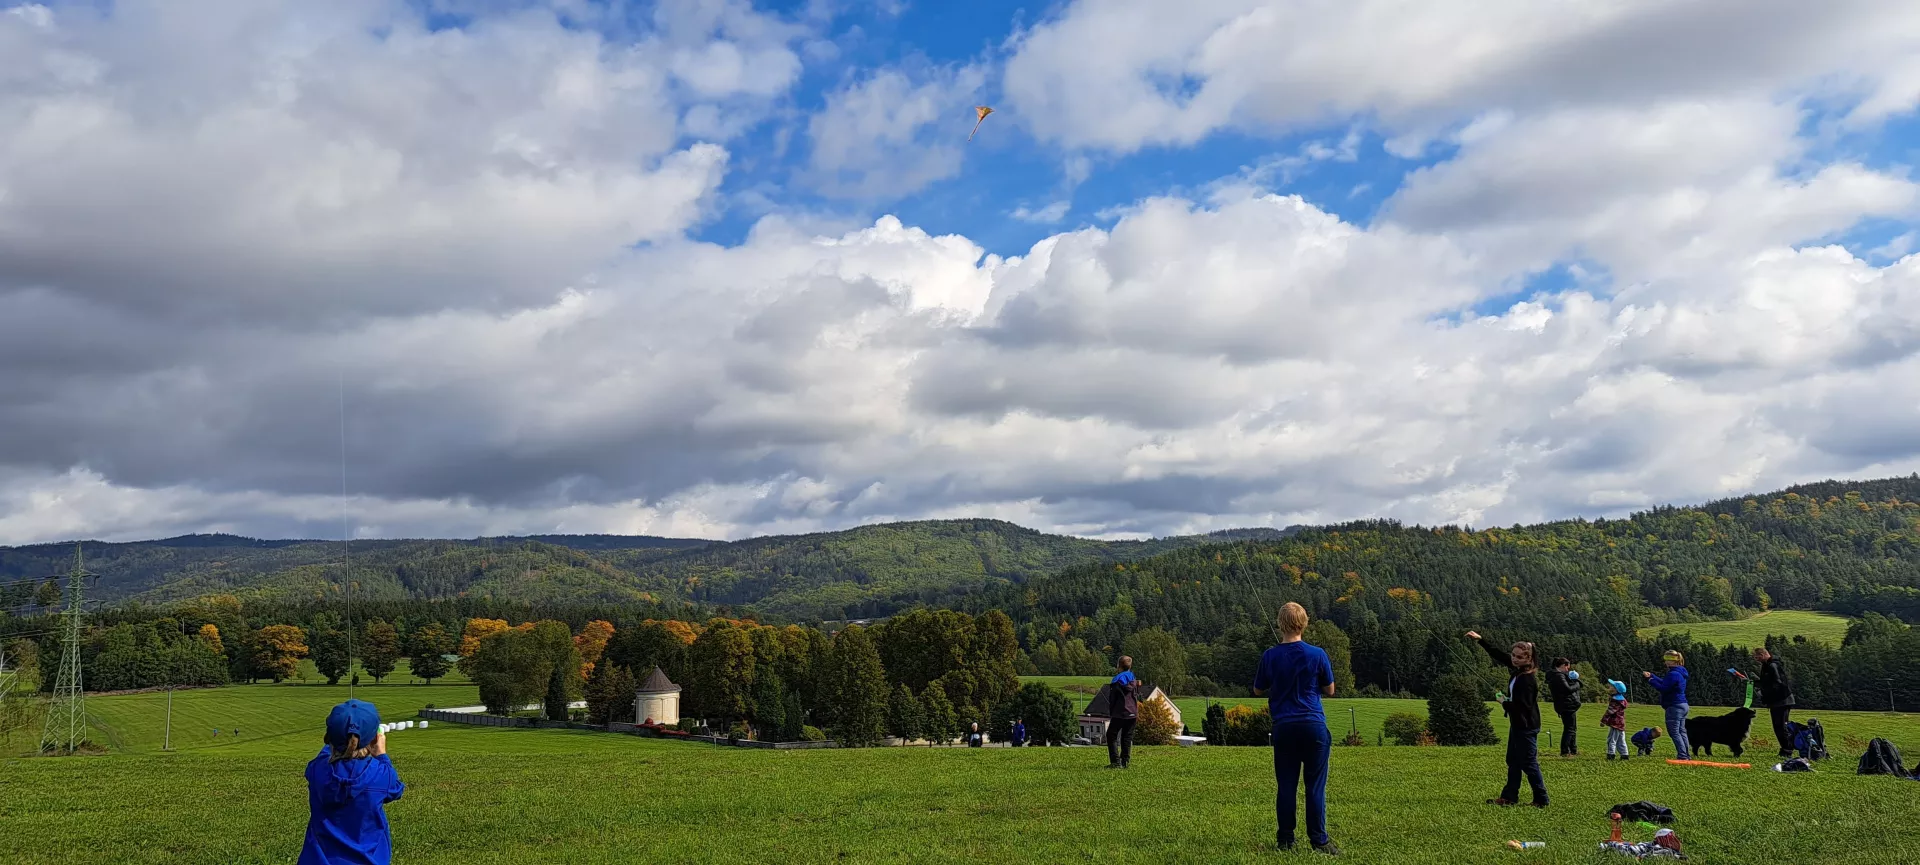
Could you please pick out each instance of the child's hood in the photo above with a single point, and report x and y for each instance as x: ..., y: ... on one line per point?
x: 347, y: 777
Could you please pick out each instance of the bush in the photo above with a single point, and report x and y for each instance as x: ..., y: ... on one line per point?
x: 1214, y: 725
x: 810, y: 733
x: 688, y: 725
x: 1247, y: 725
x: 1457, y: 713
x: 1155, y: 725
x: 1354, y: 739
x: 1405, y: 728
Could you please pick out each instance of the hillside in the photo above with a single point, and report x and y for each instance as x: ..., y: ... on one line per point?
x: 871, y: 570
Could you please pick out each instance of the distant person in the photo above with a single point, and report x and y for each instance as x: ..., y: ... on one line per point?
x: 973, y: 736
x: 1523, y: 721
x: 1563, y: 686
x: 1672, y: 686
x: 1019, y: 732
x: 1777, y: 695
x: 1292, y: 676
x: 348, y: 786
x: 1123, y: 711
x: 1615, y: 720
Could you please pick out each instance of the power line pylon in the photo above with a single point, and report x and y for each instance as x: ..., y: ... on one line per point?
x: 66, y: 728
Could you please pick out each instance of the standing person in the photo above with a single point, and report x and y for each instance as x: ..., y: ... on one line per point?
x: 1563, y: 687
x: 348, y: 786
x: 973, y: 736
x: 1523, y: 721
x: 1672, y: 686
x: 1615, y: 720
x: 1292, y: 676
x: 1777, y: 695
x: 1123, y: 711
x: 1019, y: 732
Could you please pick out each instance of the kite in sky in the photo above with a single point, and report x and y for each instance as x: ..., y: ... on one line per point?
x: 983, y: 111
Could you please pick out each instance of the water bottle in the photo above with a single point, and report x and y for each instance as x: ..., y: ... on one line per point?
x: 1526, y: 845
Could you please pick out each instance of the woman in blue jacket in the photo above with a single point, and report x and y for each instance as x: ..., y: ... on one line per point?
x: 1672, y: 686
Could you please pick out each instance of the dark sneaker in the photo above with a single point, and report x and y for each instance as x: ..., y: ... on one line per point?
x: 1327, y: 848
x: 1284, y: 845
x: 1538, y: 803
x: 1611, y: 758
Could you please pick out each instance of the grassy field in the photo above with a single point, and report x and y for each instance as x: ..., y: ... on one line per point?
x: 1823, y: 627
x: 479, y: 796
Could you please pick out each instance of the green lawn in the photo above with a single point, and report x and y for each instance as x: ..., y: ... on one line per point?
x: 480, y: 796
x: 1823, y: 627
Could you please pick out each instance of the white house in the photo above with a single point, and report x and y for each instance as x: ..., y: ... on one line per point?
x: 1093, y: 721
x: 657, y: 700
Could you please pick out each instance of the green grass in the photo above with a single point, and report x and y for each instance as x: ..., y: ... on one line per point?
x: 1822, y: 627
x: 478, y: 796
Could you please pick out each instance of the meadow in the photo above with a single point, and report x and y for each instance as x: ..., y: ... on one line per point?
x: 481, y: 796
x: 1820, y: 627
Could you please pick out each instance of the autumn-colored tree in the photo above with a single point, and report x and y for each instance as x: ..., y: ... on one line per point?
x: 1155, y: 725
x: 210, y: 635
x: 476, y: 630
x: 592, y: 643
x: 276, y: 650
x: 431, y: 645
x: 381, y: 651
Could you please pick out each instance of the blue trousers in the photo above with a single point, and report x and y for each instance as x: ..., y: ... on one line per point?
x: 1523, y: 758
x: 1301, y: 746
x: 1677, y: 731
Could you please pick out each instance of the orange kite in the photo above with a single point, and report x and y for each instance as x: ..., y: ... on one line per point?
x: 982, y: 111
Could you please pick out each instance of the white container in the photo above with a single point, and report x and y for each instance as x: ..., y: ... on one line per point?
x: 423, y: 725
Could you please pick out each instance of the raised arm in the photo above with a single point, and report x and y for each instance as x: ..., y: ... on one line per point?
x: 1501, y: 657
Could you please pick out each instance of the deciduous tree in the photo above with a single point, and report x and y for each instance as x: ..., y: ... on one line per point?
x: 857, y: 689
x: 275, y: 651
x: 380, y: 653
x: 431, y: 645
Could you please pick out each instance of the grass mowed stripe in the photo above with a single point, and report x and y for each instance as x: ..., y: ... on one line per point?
x: 514, y: 796
x: 1822, y: 627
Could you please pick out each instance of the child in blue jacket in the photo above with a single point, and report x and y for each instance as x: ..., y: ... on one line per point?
x: 348, y: 785
x: 1672, y: 685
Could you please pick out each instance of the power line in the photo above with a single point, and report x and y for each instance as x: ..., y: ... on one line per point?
x: 66, y: 726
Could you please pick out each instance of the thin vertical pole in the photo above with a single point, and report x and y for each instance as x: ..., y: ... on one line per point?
x: 167, y: 744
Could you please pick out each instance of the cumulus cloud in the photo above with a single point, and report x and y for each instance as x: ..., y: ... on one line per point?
x: 1124, y: 74
x: 892, y: 133
x: 468, y: 251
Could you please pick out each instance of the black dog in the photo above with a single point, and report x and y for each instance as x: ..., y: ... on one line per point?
x: 1729, y: 730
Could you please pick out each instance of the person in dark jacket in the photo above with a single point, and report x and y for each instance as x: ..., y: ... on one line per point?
x: 1123, y: 711
x: 1566, y: 702
x: 1523, y: 721
x: 1777, y: 695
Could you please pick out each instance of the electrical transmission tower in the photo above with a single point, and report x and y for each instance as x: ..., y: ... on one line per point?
x: 66, y: 728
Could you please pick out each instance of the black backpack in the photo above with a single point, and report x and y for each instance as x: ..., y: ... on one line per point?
x: 1881, y: 759
x: 1816, y: 748
x: 1643, y: 812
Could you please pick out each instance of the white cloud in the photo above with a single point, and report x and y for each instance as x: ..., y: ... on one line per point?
x: 893, y: 132
x: 479, y: 235
x: 1047, y: 215
x: 1123, y: 74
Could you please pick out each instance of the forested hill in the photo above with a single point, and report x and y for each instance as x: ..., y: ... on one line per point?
x: 1847, y: 547
x: 871, y: 570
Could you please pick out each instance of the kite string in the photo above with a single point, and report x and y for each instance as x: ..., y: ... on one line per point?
x: 346, y: 532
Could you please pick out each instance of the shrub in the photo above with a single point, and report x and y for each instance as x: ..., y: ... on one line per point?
x: 688, y: 725
x: 1155, y: 725
x: 1214, y: 725
x: 1405, y: 728
x: 810, y: 733
x: 1247, y: 725
x: 1457, y: 713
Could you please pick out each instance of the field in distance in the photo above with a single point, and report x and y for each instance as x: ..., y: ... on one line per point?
x: 1822, y: 627
x: 478, y: 796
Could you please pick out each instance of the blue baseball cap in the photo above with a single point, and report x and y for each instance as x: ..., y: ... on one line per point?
x: 353, y: 718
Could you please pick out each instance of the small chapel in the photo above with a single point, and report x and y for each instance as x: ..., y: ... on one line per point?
x: 657, y: 700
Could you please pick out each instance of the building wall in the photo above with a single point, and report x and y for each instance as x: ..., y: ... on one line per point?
x: 662, y: 708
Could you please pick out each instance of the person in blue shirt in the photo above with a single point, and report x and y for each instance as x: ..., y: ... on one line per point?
x: 1123, y: 712
x: 1672, y: 686
x: 1292, y: 676
x: 348, y: 786
x: 1019, y: 732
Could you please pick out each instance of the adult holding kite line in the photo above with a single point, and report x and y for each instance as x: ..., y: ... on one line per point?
x: 1523, y: 720
x: 1292, y: 676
